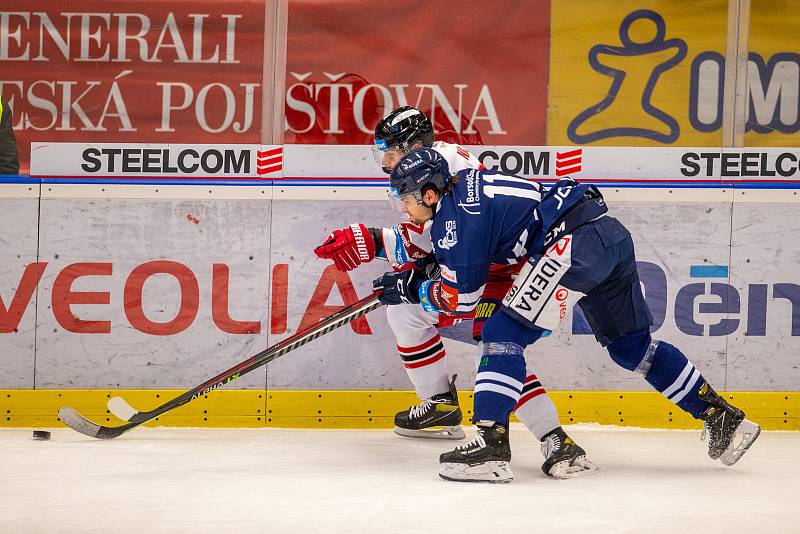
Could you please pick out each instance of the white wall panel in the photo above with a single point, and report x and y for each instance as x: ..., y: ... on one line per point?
x: 18, y: 227
x: 764, y: 352
x: 128, y: 234
x: 683, y: 249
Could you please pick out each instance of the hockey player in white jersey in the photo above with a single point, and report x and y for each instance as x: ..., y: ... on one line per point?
x: 419, y: 344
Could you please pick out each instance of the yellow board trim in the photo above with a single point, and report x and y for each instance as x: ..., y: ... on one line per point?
x: 369, y: 409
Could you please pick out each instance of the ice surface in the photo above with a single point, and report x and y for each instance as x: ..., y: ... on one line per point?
x: 299, y: 481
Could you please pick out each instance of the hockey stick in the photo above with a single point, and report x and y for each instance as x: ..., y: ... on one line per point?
x: 80, y: 424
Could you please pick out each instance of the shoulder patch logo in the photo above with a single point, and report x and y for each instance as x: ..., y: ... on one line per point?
x: 450, y: 238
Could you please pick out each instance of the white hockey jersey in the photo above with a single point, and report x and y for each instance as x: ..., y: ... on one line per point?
x: 408, y: 242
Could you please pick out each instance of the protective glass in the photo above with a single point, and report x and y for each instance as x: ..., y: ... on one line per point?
x: 401, y: 203
x: 387, y: 158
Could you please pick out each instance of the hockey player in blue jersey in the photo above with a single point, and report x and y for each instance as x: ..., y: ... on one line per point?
x: 575, y: 254
x: 417, y: 330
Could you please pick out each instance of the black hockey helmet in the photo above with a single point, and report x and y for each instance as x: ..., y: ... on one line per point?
x: 417, y: 169
x: 397, y: 133
x: 402, y: 128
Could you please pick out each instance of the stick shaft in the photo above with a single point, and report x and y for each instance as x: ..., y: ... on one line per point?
x: 330, y: 323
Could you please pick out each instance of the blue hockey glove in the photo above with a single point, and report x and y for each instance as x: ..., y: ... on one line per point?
x: 399, y: 287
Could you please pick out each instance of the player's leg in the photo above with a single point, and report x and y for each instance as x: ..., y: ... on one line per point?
x: 535, y: 408
x: 501, y: 376
x: 498, y: 385
x: 620, y: 319
x: 425, y: 361
x: 671, y: 373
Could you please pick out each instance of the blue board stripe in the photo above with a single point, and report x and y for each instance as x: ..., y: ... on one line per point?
x: 376, y: 183
x: 708, y: 271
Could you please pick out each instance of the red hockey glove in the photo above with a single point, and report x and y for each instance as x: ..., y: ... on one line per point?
x: 348, y: 247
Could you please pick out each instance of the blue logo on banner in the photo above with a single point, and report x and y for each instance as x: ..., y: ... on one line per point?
x: 615, y: 62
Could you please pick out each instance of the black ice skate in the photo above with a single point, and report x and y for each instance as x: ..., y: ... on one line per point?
x: 563, y: 457
x: 485, y: 459
x: 729, y: 433
x: 437, y: 417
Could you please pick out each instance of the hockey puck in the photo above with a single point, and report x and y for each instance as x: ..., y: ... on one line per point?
x: 41, y: 435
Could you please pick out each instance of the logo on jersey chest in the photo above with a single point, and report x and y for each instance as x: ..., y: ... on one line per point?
x: 473, y: 199
x: 450, y: 238
x: 473, y: 187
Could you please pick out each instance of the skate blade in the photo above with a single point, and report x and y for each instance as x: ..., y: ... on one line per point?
x: 746, y: 433
x: 581, y: 466
x: 489, y: 472
x: 437, y: 432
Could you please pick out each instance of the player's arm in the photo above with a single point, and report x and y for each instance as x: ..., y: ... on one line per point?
x: 457, y: 290
x: 353, y: 245
x: 464, y: 269
x: 435, y: 292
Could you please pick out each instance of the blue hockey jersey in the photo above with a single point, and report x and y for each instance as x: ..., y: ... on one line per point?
x: 490, y: 217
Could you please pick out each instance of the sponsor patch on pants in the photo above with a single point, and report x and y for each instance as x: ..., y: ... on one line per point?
x: 537, y: 296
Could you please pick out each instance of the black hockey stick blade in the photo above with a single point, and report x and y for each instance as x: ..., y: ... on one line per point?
x: 135, y: 418
x: 79, y: 423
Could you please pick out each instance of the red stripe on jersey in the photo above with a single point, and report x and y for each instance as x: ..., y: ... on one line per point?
x: 431, y: 342
x: 422, y: 363
x: 417, y: 228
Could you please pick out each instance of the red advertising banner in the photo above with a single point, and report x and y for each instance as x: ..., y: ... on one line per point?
x: 157, y: 72
x: 480, y: 69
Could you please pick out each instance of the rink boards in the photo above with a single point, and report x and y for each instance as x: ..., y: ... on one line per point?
x: 370, y: 409
x: 158, y: 286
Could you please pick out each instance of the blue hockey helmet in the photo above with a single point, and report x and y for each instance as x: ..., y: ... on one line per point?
x: 417, y: 169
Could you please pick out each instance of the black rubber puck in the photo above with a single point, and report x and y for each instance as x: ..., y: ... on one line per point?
x: 41, y: 435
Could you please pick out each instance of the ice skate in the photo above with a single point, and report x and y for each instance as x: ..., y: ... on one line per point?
x: 484, y: 459
x: 563, y: 457
x: 438, y: 417
x: 729, y: 433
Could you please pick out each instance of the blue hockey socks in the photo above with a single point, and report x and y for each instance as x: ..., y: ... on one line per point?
x: 498, y: 384
x: 664, y: 367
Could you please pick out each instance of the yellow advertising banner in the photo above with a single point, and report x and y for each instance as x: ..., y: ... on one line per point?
x: 773, y: 74
x: 633, y: 73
